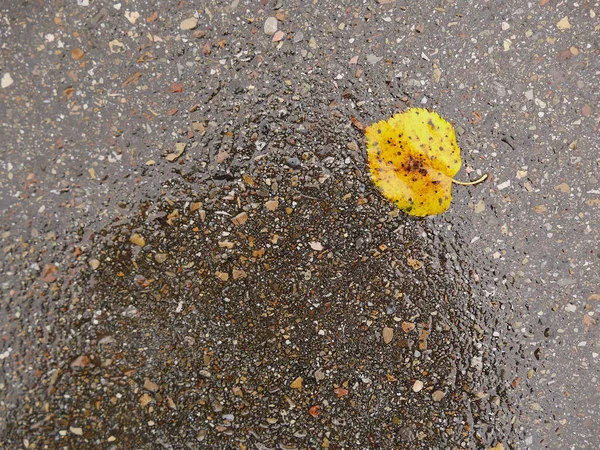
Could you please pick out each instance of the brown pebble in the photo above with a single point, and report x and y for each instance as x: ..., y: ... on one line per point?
x: 137, y: 239
x: 586, y: 110
x: 238, y: 273
x: 297, y: 383
x: 388, y: 335
x: 340, y: 392
x: 223, y: 276
x: 240, y: 219
x: 407, y: 327
x: 278, y: 36
x: 145, y: 399
x: 189, y: 24
x: 150, y: 385
x: 81, y: 361
x: 272, y: 205
x: 221, y: 157
x: 314, y: 410
x: 77, y: 54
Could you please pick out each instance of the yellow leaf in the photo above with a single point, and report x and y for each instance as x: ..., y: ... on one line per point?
x: 412, y: 158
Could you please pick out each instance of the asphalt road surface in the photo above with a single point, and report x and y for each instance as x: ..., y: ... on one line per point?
x: 193, y: 254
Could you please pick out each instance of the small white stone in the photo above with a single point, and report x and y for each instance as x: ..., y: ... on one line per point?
x: 504, y: 185
x: 270, y: 26
x: 417, y: 386
x: 76, y: 430
x: 6, y: 80
x: 316, y: 246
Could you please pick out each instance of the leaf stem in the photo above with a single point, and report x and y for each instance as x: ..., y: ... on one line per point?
x: 471, y: 183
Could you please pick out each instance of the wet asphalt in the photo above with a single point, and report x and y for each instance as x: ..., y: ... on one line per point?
x: 194, y: 256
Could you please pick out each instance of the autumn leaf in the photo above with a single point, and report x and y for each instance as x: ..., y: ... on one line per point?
x: 413, y: 158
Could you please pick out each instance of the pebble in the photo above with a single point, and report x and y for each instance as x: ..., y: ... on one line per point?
x: 319, y: 375
x: 80, y: 361
x: 278, y: 36
x: 237, y: 274
x: 293, y: 162
x: 480, y: 206
x: 297, y: 383
x: 201, y: 435
x: 272, y: 205
x: 563, y: 24
x: 388, y: 335
x: 298, y: 37
x: 150, y: 385
x: 189, y: 24
x: 6, y: 80
x: 504, y: 185
x: 314, y: 410
x: 77, y: 54
x: 240, y: 219
x: 417, y: 386
x: 179, y: 149
x: 270, y: 26
x: 76, y: 430
x: 94, y: 263
x: 373, y: 59
x: 438, y: 395
x: 145, y: 399
x: 586, y: 110
x: 217, y: 406
x: 221, y: 157
x: 407, y: 327
x: 137, y: 239
x: 340, y: 392
x: 317, y: 246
